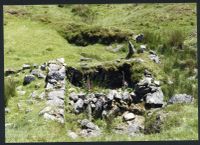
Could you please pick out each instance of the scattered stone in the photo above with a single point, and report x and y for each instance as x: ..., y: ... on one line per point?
x: 72, y: 134
x: 26, y: 66
x: 85, y: 59
x: 139, y: 38
x: 35, y: 65
x: 127, y: 116
x: 7, y: 110
x: 155, y: 58
x: 142, y: 49
x: 43, y: 67
x: 180, y: 98
x: 28, y: 79
x: 86, y: 124
x: 9, y: 125
x: 9, y: 72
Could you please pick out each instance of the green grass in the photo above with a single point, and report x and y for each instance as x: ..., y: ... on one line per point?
x: 35, y: 35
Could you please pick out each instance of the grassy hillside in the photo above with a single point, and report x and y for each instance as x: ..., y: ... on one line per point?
x: 37, y: 34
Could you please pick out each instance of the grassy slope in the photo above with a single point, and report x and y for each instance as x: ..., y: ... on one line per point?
x: 33, y: 38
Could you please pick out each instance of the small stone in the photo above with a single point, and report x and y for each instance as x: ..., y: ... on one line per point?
x: 142, y: 49
x: 128, y: 116
x: 86, y: 124
x: 85, y: 59
x: 157, y: 83
x: 43, y: 67
x: 139, y: 38
x: 26, y: 66
x: 7, y: 110
x: 72, y: 134
x: 152, y: 52
x: 28, y: 79
x: 35, y: 65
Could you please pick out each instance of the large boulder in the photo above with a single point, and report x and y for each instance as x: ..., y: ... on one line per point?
x: 155, y: 99
x: 181, y: 98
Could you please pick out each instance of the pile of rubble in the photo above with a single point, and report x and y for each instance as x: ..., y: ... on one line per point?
x: 55, y: 91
